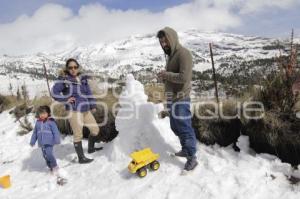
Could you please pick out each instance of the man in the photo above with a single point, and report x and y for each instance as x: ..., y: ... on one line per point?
x: 177, y: 78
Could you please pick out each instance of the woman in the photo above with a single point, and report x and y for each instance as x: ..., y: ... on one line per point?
x: 72, y: 88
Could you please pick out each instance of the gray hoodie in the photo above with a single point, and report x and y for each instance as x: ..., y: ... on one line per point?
x: 179, y: 69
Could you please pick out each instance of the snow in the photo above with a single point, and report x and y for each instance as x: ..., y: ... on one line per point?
x: 139, y: 125
x: 35, y: 87
x: 222, y: 172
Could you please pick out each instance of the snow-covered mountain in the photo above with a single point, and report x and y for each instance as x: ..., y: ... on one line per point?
x: 144, y: 53
x: 237, y: 58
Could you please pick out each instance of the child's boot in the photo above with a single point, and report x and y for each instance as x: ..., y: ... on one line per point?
x: 55, y: 171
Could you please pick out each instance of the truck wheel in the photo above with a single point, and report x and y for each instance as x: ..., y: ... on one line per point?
x: 154, y: 165
x: 142, y: 172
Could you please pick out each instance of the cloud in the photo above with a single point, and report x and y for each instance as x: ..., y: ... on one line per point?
x: 259, y: 5
x: 253, y: 6
x: 55, y: 28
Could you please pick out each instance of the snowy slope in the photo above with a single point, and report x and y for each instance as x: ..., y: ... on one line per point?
x: 142, y: 55
x: 143, y: 52
x: 222, y: 173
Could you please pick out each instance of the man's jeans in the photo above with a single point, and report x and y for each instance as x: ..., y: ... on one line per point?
x: 181, y: 124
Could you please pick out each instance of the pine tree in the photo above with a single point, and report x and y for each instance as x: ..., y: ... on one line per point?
x: 19, y: 97
x: 10, y: 88
x: 25, y: 94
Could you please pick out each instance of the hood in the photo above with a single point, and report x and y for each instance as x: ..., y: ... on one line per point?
x: 64, y: 75
x: 172, y: 37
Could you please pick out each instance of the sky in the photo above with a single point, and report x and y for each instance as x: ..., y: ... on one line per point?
x: 30, y: 26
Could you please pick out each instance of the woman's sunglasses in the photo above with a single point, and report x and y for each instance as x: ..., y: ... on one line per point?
x: 72, y: 67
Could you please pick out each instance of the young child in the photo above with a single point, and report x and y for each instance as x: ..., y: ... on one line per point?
x: 47, y: 135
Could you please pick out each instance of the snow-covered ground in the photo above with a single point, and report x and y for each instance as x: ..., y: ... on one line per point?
x: 222, y: 173
x: 35, y: 87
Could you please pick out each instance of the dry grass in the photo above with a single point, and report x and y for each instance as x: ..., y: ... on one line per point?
x: 25, y: 125
x: 211, y: 129
x: 296, y: 107
x: 274, y: 126
x: 155, y: 93
x: 278, y: 131
x: 41, y: 101
x: 110, y: 99
x: 8, y: 102
x: 228, y: 108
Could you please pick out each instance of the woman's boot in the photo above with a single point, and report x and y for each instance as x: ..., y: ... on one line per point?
x: 91, y: 145
x: 79, y: 150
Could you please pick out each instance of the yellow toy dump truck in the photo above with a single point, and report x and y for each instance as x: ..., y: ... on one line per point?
x: 143, y: 159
